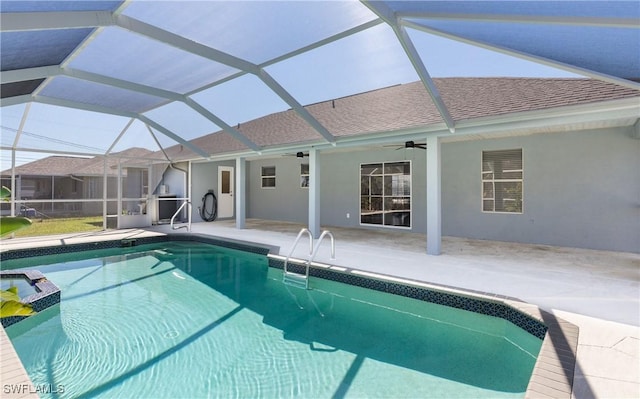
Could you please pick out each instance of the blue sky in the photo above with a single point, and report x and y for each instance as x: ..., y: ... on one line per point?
x: 362, y: 62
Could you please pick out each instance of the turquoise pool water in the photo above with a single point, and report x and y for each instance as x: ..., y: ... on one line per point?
x: 190, y: 320
x: 24, y: 288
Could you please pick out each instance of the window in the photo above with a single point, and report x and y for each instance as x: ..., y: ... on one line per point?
x: 385, y: 194
x: 304, y: 175
x: 502, y: 181
x: 268, y: 177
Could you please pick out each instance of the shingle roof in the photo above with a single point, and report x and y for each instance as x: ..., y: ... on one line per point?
x: 393, y: 108
x: 409, y: 106
x: 469, y: 98
x: 57, y: 165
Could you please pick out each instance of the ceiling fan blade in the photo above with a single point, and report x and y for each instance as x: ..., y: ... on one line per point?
x: 408, y: 145
x: 298, y: 154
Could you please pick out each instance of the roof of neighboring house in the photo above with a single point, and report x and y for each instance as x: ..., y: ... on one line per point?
x: 409, y: 106
x: 57, y: 165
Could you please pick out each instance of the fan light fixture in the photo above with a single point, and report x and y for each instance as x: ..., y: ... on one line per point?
x: 411, y: 144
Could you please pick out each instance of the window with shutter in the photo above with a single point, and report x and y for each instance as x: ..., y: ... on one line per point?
x: 502, y: 181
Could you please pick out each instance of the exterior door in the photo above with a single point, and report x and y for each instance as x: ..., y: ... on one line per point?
x: 225, y: 191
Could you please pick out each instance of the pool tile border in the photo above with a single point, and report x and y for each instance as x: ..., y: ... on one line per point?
x: 483, y: 306
x: 132, y: 242
x: 553, y: 372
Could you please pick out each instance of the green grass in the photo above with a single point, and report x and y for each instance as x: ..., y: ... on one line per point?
x: 47, y: 227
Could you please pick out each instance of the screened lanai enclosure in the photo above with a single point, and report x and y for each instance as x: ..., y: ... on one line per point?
x: 104, y: 102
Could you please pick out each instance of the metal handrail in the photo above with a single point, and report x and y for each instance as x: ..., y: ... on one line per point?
x: 295, y: 243
x: 188, y: 226
x: 312, y: 253
x: 315, y: 251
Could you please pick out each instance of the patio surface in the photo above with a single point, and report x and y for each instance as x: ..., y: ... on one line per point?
x: 599, y: 291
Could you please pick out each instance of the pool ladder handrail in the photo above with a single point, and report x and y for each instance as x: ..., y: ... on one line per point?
x: 302, y: 280
x: 188, y: 226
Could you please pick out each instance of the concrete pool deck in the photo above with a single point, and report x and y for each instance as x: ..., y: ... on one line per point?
x: 598, y: 291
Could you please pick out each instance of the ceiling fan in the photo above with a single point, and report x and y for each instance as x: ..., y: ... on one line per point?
x: 411, y: 144
x: 298, y: 154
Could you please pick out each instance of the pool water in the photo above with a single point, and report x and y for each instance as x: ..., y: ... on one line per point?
x: 190, y: 320
x: 23, y: 286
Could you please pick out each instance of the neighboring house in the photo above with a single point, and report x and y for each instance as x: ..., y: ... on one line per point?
x: 62, y: 178
x: 541, y: 161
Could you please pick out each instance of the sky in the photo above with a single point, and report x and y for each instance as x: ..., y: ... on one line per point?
x: 365, y: 61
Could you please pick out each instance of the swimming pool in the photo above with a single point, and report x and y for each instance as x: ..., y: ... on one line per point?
x: 187, y: 319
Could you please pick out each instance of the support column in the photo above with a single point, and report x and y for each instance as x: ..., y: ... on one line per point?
x: 14, y: 187
x: 240, y: 192
x: 119, y: 194
x: 53, y: 189
x: 105, y: 187
x: 189, y: 191
x: 13, y: 182
x: 314, y: 192
x: 434, y: 196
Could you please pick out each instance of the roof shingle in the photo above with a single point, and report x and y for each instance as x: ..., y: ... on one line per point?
x: 57, y: 165
x: 409, y: 105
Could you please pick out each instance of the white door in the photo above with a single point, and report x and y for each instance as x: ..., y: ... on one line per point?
x: 225, y: 191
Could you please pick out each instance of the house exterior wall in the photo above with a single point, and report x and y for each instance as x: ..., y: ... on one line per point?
x: 176, y: 180
x: 287, y: 201
x: 339, y: 187
x: 204, y: 178
x: 580, y: 189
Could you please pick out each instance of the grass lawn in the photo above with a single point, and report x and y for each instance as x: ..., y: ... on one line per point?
x: 46, y: 227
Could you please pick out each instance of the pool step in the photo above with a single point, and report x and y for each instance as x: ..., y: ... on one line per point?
x: 295, y: 280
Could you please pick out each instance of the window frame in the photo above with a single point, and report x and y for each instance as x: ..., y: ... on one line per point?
x: 383, y: 196
x: 304, y: 177
x: 264, y: 177
x: 493, y: 181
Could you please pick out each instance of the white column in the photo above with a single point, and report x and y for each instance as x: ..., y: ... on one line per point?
x: 314, y: 192
x: 189, y: 192
x: 14, y: 186
x: 53, y: 188
x: 119, y: 194
x: 104, y: 193
x: 240, y: 188
x: 434, y: 196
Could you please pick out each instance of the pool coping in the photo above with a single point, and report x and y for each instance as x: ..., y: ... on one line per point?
x: 553, y: 372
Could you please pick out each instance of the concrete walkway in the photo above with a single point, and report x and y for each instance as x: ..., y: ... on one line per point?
x: 599, y: 291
